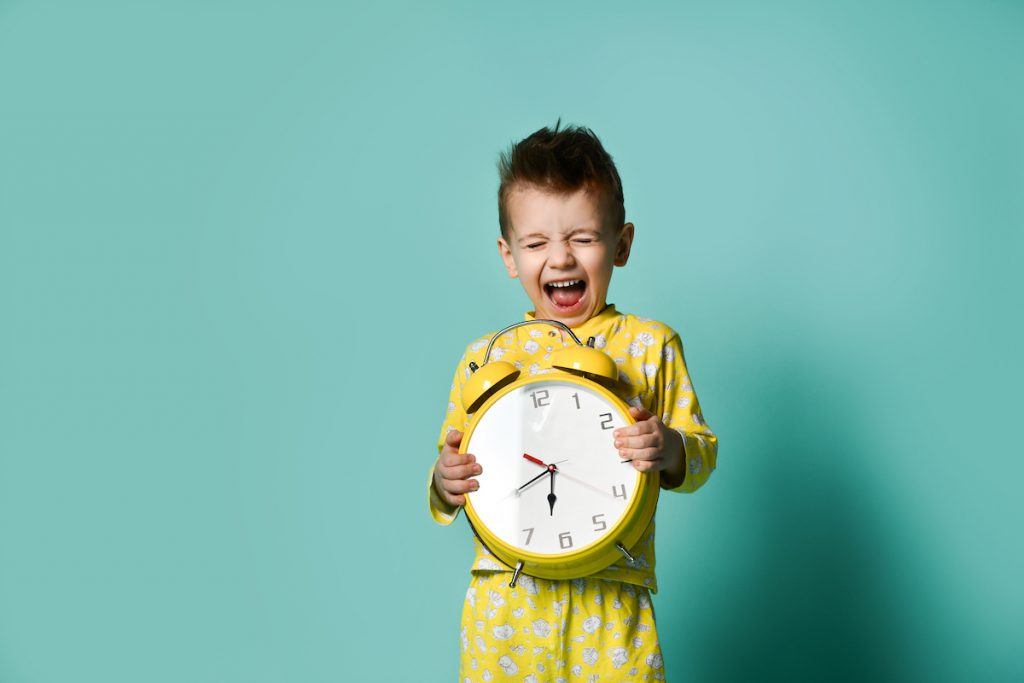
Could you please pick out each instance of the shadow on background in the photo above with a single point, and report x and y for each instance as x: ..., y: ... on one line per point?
x: 810, y: 599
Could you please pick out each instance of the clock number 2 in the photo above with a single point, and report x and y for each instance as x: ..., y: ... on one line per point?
x: 529, y: 535
x: 540, y: 398
x: 606, y: 423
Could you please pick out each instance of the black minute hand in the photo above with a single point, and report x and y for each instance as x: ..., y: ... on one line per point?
x: 531, y: 481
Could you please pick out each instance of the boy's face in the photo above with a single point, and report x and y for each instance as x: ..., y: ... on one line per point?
x: 562, y: 250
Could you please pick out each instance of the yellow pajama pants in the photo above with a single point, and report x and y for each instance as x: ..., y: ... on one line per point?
x: 558, y: 631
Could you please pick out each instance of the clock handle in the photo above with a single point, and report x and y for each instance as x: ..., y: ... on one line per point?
x: 582, y: 359
x: 515, y: 574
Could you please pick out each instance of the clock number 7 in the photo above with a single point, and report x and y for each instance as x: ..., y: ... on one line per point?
x: 529, y: 535
x: 540, y: 398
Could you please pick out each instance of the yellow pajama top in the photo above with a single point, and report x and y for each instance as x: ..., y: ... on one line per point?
x: 652, y: 374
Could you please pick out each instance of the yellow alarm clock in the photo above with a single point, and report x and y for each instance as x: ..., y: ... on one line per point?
x: 555, y: 499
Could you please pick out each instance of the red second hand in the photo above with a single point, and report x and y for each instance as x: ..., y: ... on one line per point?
x: 533, y: 459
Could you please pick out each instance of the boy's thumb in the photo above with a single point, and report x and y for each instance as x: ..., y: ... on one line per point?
x: 640, y: 413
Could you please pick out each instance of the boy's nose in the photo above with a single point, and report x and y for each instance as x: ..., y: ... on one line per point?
x: 561, y: 255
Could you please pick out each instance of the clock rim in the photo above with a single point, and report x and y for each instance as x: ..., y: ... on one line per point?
x: 596, y: 555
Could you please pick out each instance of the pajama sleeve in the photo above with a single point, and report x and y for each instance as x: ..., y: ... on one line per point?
x: 676, y: 404
x: 454, y: 418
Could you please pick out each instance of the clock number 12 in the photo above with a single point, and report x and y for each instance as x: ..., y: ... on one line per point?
x: 540, y: 398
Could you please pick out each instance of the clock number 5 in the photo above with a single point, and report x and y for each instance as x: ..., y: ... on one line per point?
x: 565, y: 540
x: 599, y: 523
x: 606, y: 423
x: 540, y: 398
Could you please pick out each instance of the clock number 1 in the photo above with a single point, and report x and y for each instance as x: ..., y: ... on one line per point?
x: 540, y: 398
x: 577, y: 397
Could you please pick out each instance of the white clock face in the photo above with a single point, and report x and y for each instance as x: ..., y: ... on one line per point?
x: 552, y: 480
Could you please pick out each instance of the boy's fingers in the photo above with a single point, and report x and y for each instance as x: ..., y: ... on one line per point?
x: 645, y: 427
x: 641, y: 441
x: 450, y: 458
x: 460, y: 471
x: 648, y: 465
x: 643, y: 459
x: 453, y: 438
x: 460, y: 486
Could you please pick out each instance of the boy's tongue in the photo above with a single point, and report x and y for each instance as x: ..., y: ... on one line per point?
x: 567, y: 296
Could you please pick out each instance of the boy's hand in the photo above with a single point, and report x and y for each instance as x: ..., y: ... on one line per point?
x: 652, y: 447
x: 453, y: 470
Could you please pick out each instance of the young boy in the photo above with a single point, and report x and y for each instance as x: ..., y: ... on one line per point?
x: 563, y: 231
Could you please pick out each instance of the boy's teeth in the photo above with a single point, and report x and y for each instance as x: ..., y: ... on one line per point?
x: 566, y: 293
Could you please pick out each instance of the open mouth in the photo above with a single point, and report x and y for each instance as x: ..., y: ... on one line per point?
x: 566, y: 294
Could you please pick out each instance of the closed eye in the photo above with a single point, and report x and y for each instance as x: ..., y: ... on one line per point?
x: 584, y: 237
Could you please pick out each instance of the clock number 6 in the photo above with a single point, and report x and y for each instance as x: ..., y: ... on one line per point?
x: 565, y: 540
x: 540, y: 398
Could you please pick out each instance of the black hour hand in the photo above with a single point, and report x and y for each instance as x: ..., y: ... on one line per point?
x: 551, y: 496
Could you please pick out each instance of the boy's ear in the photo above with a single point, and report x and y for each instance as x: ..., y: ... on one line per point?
x: 506, y: 256
x: 624, y: 244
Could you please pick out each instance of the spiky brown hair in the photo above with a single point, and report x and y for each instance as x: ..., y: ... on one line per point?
x: 561, y: 160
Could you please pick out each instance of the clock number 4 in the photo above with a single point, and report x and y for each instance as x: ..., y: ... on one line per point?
x: 619, y: 491
x: 606, y: 423
x: 540, y: 398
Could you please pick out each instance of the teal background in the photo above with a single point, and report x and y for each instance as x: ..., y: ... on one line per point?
x: 242, y: 246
